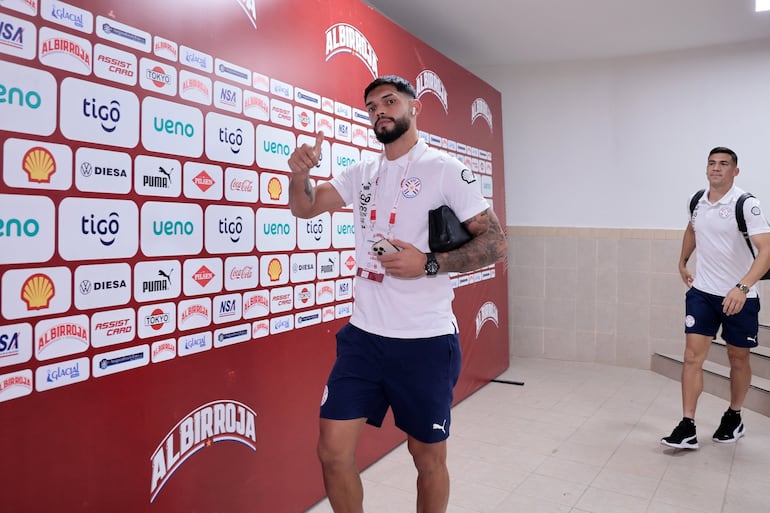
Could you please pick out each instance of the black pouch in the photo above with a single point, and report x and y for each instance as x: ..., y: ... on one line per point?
x: 445, y: 231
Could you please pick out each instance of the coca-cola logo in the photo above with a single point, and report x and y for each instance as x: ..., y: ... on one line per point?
x: 244, y: 273
x: 244, y: 185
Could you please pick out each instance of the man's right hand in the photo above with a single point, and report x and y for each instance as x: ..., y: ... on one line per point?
x: 306, y: 157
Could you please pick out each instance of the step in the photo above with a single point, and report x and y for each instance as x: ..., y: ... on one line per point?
x: 760, y: 358
x: 716, y: 381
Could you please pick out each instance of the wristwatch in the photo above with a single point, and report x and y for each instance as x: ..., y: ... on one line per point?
x: 431, y: 266
x: 743, y: 288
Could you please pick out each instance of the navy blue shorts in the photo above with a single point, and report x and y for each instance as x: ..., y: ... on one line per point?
x: 414, y: 377
x: 704, y: 315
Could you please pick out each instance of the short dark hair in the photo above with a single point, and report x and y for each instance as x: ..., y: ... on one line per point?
x: 722, y: 149
x: 402, y: 85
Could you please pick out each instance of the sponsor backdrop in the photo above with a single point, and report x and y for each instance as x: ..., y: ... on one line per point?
x: 166, y: 324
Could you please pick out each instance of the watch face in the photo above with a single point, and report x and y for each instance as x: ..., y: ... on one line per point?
x: 431, y: 267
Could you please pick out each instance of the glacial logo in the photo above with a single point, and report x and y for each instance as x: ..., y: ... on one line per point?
x: 67, y: 15
x: 344, y: 38
x: 195, y: 59
x: 61, y: 374
x: 217, y: 421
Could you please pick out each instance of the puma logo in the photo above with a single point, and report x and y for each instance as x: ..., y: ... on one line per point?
x: 440, y: 427
x: 752, y: 339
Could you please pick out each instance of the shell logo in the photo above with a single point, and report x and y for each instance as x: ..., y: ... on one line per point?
x: 39, y: 164
x: 37, y: 292
x: 274, y: 269
x: 274, y: 189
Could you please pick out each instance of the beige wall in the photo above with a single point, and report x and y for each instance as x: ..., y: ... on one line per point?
x: 595, y: 295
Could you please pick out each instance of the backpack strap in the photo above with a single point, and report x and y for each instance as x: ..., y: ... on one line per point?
x: 741, y: 220
x: 695, y: 199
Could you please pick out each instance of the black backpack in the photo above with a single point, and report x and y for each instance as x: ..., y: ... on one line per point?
x: 738, y: 218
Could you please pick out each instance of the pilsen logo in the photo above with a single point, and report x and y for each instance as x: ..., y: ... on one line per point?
x: 429, y: 82
x: 344, y: 38
x: 250, y: 8
x: 217, y: 421
x: 479, y: 108
x: 487, y: 312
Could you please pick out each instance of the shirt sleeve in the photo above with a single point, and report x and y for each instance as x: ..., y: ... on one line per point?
x: 462, y: 190
x: 755, y: 218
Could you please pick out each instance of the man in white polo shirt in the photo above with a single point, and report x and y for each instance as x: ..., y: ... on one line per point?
x: 723, y: 293
x: 400, y: 350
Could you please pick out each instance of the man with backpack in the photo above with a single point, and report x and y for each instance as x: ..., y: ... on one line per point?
x: 723, y: 292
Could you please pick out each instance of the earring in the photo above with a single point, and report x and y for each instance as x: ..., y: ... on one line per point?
x: 414, y: 111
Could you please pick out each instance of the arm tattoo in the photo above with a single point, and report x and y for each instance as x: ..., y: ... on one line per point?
x: 487, y: 246
x: 309, y: 190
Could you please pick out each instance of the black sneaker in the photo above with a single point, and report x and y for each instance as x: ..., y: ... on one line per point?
x: 730, y: 429
x: 683, y: 436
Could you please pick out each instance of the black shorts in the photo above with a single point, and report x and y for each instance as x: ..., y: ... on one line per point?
x: 414, y: 377
x: 704, y: 315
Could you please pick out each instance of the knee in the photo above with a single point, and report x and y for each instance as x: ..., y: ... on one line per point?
x: 738, y: 360
x: 428, y: 458
x: 693, y: 357
x: 331, y: 456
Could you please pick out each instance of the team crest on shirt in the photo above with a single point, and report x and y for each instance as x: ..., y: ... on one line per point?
x: 467, y: 176
x: 411, y: 187
x: 756, y: 211
x: 725, y: 212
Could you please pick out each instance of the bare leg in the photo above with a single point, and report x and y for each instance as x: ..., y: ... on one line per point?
x: 740, y: 375
x: 432, y: 475
x: 336, y: 451
x: 695, y: 352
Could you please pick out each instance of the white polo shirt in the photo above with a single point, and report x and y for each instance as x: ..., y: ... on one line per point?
x: 723, y: 256
x: 397, y: 307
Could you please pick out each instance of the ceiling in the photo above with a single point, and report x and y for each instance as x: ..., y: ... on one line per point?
x: 480, y: 34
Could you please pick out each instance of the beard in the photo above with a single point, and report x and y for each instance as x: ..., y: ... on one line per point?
x: 400, y: 128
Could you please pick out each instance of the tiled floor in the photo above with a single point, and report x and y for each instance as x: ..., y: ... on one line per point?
x: 583, y: 438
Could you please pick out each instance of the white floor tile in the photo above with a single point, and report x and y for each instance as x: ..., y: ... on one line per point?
x: 583, y: 438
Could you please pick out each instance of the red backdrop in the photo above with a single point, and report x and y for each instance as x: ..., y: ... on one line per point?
x: 140, y: 373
